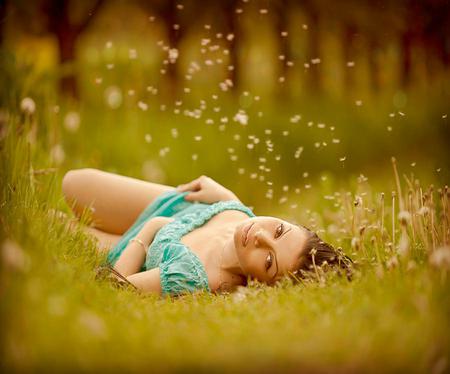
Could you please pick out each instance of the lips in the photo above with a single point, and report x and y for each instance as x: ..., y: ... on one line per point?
x: 245, y: 234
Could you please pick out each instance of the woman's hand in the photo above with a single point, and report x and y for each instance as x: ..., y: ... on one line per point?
x: 206, y: 190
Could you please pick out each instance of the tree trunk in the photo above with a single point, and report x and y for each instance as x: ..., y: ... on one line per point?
x: 174, y: 34
x: 284, y: 50
x: 313, y: 72
x: 232, y: 27
x: 66, y: 43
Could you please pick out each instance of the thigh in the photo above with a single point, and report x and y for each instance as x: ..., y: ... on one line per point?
x: 115, y: 200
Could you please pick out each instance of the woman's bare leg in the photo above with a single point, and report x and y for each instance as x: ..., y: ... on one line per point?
x: 116, y: 200
x: 106, y: 241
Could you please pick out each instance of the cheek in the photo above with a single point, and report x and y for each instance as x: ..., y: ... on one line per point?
x: 250, y: 263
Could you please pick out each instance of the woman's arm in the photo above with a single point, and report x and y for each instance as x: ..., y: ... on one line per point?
x: 206, y: 190
x: 133, y: 256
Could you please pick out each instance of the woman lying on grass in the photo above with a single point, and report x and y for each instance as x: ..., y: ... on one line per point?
x: 198, y: 236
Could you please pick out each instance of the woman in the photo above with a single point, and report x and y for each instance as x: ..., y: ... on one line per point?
x: 198, y: 236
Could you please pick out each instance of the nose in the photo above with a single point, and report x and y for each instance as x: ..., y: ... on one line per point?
x: 261, y: 238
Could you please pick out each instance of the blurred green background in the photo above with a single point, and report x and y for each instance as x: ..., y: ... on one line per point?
x: 263, y: 96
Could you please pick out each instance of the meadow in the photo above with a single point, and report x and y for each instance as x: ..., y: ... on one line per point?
x: 368, y: 174
x: 392, y: 315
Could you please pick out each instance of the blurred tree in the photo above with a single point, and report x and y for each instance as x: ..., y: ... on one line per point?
x: 2, y: 19
x: 313, y: 75
x: 233, y: 36
x: 67, y: 32
x: 167, y: 10
x: 436, y: 35
x: 66, y: 20
x: 282, y: 9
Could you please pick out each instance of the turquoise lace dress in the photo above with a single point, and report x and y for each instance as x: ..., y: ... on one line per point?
x: 180, y: 269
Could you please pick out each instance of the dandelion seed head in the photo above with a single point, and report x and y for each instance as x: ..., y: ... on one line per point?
x: 27, y: 105
x: 440, y: 258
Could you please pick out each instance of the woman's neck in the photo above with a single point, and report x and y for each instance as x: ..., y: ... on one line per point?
x: 226, y: 251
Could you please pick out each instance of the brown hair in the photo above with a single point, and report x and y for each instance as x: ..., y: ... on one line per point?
x: 317, y: 252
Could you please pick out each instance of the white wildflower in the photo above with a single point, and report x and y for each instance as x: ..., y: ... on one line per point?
x: 440, y: 258
x: 27, y: 105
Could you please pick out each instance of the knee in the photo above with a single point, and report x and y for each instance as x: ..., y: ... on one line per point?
x: 75, y: 179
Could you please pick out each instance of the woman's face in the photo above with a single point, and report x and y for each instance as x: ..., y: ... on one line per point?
x: 269, y: 247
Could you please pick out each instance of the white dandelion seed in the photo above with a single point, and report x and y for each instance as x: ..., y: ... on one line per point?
x: 241, y: 117
x: 148, y: 138
x: 143, y: 106
x: 296, y: 118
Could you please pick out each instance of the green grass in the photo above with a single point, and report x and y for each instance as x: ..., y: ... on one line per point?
x: 55, y: 313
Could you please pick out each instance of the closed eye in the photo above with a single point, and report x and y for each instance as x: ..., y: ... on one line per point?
x: 279, y: 231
